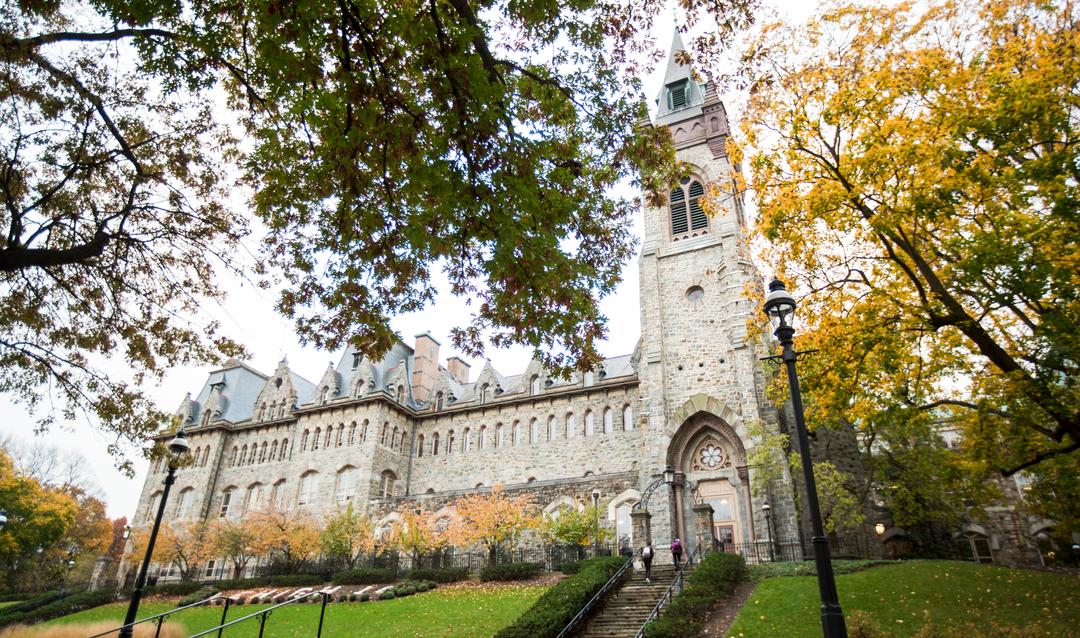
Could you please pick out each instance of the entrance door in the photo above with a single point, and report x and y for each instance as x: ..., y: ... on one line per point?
x: 721, y: 495
x: 726, y: 535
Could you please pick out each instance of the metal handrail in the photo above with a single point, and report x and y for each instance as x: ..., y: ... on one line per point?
x: 599, y: 596
x: 265, y: 612
x: 41, y: 601
x: 655, y: 613
x: 171, y: 611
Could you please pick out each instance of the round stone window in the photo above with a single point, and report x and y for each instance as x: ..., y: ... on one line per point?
x: 694, y: 294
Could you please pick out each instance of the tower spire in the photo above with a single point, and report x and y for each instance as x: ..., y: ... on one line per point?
x: 680, y: 91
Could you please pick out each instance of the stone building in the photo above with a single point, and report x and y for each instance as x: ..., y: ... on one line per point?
x: 413, y: 429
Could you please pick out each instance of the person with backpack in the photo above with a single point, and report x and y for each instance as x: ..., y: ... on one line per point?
x: 646, y: 557
x: 676, y: 552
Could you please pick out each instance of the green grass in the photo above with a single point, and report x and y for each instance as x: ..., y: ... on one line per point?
x: 901, y: 597
x: 446, y: 613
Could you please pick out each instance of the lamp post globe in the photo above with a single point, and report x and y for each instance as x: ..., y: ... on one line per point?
x: 126, y: 534
x: 766, y: 510
x: 3, y: 519
x: 780, y: 307
x: 879, y: 528
x: 669, y: 475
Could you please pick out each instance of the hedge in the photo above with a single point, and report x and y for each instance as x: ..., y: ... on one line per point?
x: 167, y: 589
x: 31, y: 605
x: 511, y: 571
x: 239, y: 583
x: 195, y: 597
x: 297, y: 580
x: 808, y: 568
x: 713, y: 579
x: 438, y: 575
x: 556, y: 607
x: 11, y: 598
x: 574, y: 566
x: 365, y: 577
x: 70, y: 605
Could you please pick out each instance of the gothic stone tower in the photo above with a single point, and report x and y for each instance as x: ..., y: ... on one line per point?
x: 702, y: 385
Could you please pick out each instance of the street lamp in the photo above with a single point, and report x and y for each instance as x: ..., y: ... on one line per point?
x: 766, y: 510
x: 3, y: 519
x: 70, y: 565
x: 779, y: 308
x: 596, y: 513
x: 178, y: 446
x: 879, y: 528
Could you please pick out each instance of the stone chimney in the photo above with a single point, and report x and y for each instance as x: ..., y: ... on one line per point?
x: 425, y: 366
x: 458, y: 368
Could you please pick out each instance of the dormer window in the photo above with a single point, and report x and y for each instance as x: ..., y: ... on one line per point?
x: 356, y: 360
x: 217, y: 387
x: 687, y: 215
x: 678, y: 94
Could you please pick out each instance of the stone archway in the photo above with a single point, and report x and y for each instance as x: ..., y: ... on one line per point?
x: 699, y: 415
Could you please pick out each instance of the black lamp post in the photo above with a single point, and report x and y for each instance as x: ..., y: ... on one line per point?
x: 780, y: 307
x: 766, y: 511
x: 3, y: 519
x: 596, y: 512
x: 70, y: 565
x: 178, y: 446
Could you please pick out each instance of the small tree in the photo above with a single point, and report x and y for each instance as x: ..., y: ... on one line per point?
x: 290, y: 536
x: 348, y: 533
x: 492, y: 520
x: 237, y: 541
x: 416, y: 534
x: 186, y: 545
x: 568, y: 526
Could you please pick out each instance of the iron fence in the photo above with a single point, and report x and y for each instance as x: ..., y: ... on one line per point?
x: 840, y: 547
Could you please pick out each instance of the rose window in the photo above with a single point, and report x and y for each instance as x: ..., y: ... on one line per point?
x: 712, y: 456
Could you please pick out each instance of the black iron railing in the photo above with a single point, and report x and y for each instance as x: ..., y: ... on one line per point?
x: 764, y: 551
x: 263, y: 615
x: 675, y: 587
x: 608, y: 586
x: 159, y: 618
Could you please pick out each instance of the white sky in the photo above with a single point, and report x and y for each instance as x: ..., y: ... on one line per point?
x: 248, y: 316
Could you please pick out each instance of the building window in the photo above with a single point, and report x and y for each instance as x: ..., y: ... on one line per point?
x: 484, y: 394
x: 401, y: 394
x: 235, y: 452
x: 534, y: 431
x: 687, y: 216
x: 483, y: 437
x: 209, y: 573
x: 253, y: 497
x: 196, y: 455
x: 570, y: 426
x: 352, y: 433
x: 304, y: 441
x: 420, y: 448
x: 974, y: 547
x: 628, y: 418
x: 276, y: 492
x: 243, y: 455
x: 468, y: 440
x: 226, y: 501
x: 309, y: 484
x: 317, y: 440
x: 499, y: 435
x: 393, y: 438
x: 363, y: 435
x: 273, y: 451
x: 284, y: 449
x: 387, y: 486
x: 346, y: 485
x: 678, y: 95
x: 609, y: 421
x: 588, y: 379
x: 151, y: 511
x: 205, y: 456
x: 329, y: 437
x: 534, y: 385
x: 450, y: 442
x: 435, y: 444
x: 517, y: 433
x: 624, y: 528
x: 262, y: 453
x: 551, y: 428
x: 439, y: 401
x: 589, y: 431
x: 186, y: 499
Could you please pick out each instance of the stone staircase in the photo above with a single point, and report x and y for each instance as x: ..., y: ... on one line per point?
x: 624, y: 615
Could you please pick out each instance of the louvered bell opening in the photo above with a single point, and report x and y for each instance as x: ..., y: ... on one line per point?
x: 698, y: 218
x: 678, y: 218
x: 678, y: 95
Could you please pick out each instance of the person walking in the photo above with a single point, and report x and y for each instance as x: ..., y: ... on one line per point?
x: 646, y: 557
x: 676, y: 552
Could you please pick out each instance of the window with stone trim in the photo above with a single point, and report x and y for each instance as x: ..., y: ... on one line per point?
x: 609, y: 421
x: 363, y: 435
x: 254, y: 496
x: 468, y: 439
x: 534, y: 385
x: 352, y: 433
x: 570, y: 426
x: 534, y: 431
x: 341, y: 435
x: 205, y: 456
x: 304, y: 441
x: 438, y: 403
x: 277, y: 492
x: 552, y: 434
x: 450, y: 442
x: 688, y: 218
x: 196, y: 455
x: 385, y: 432
x: 483, y: 437
x: 254, y: 454
x: 317, y: 439
x: 329, y: 437
x: 386, y: 486
x: 183, y: 509
x: 235, y: 452
x: 518, y: 439
x: 589, y: 425
x: 420, y: 448
x: 284, y: 450
x: 346, y: 486
x: 151, y: 510
x: 393, y: 438
x: 243, y: 455
x: 273, y: 451
x: 628, y: 418
x: 499, y: 435
x: 309, y: 486
x: 262, y: 453
x: 435, y: 444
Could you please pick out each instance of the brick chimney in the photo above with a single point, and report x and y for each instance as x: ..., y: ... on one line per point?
x: 458, y: 368
x: 425, y: 366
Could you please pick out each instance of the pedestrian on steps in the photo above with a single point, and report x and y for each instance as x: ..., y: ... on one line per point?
x: 676, y: 552
x: 646, y: 557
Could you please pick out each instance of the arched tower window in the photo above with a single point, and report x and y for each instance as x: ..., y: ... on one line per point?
x: 273, y: 451
x: 628, y: 418
x: 467, y: 439
x: 435, y: 444
x: 534, y: 431
x: 450, y: 442
x: 609, y: 421
x: 551, y: 428
x: 318, y: 439
x: 688, y: 218
x: 420, y: 448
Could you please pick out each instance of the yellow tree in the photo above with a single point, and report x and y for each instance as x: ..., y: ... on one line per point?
x: 491, y: 520
x: 918, y: 185
x: 348, y: 533
x: 236, y: 540
x: 286, y: 535
x: 187, y: 545
x: 416, y: 534
x: 568, y: 526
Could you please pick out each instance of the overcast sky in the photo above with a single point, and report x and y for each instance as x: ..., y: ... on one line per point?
x: 248, y: 317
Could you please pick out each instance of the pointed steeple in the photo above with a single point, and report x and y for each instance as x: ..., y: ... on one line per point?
x: 680, y: 93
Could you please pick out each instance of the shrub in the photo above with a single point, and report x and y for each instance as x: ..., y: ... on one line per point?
x: 410, y: 590
x: 70, y: 605
x: 574, y: 566
x: 240, y: 583
x: 808, y: 568
x: 297, y: 580
x: 37, y: 600
x: 365, y: 597
x: 559, y: 604
x: 364, y: 577
x: 422, y: 587
x: 386, y: 595
x: 438, y: 575
x: 713, y: 579
x: 195, y: 597
x: 352, y: 598
x: 9, y: 598
x: 511, y: 571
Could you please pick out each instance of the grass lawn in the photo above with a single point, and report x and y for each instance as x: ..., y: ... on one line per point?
x: 902, y: 596
x: 446, y: 613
